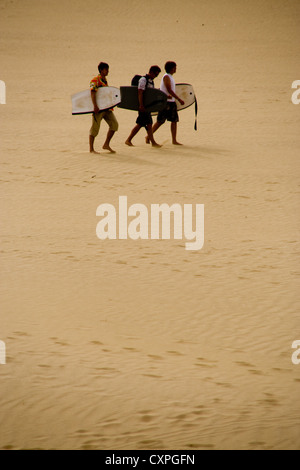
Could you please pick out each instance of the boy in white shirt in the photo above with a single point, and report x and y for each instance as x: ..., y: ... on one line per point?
x: 168, y: 86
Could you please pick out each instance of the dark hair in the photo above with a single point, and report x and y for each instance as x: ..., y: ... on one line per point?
x: 102, y: 66
x: 169, y: 66
x: 155, y: 69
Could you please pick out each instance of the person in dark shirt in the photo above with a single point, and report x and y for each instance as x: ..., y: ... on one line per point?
x: 144, y: 118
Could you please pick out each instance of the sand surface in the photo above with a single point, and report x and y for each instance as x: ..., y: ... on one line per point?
x: 141, y: 344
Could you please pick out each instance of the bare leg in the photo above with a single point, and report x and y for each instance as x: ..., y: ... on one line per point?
x: 154, y: 129
x: 151, y: 138
x: 134, y: 132
x: 174, y: 133
x: 106, y: 145
x: 92, y: 140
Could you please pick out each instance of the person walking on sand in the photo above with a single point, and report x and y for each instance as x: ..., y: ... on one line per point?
x: 144, y: 118
x: 98, y: 115
x: 170, y: 113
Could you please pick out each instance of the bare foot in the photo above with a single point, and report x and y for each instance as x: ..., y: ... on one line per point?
x: 176, y: 143
x: 94, y: 151
x: 107, y: 147
x: 147, y: 140
x: 157, y: 145
x: 130, y: 144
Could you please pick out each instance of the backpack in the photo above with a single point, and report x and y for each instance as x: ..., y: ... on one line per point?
x: 136, y: 79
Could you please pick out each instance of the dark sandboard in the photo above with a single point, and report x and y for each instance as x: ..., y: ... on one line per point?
x: 154, y: 99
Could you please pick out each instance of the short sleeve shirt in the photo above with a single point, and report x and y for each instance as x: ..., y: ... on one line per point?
x: 143, y: 83
x: 98, y: 82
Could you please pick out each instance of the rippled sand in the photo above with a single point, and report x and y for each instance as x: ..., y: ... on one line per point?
x: 144, y: 345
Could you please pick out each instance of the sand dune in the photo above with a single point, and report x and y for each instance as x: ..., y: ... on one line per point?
x: 141, y: 344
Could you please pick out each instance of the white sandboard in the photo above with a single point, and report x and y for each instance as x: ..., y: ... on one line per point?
x: 186, y: 93
x: 106, y: 97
